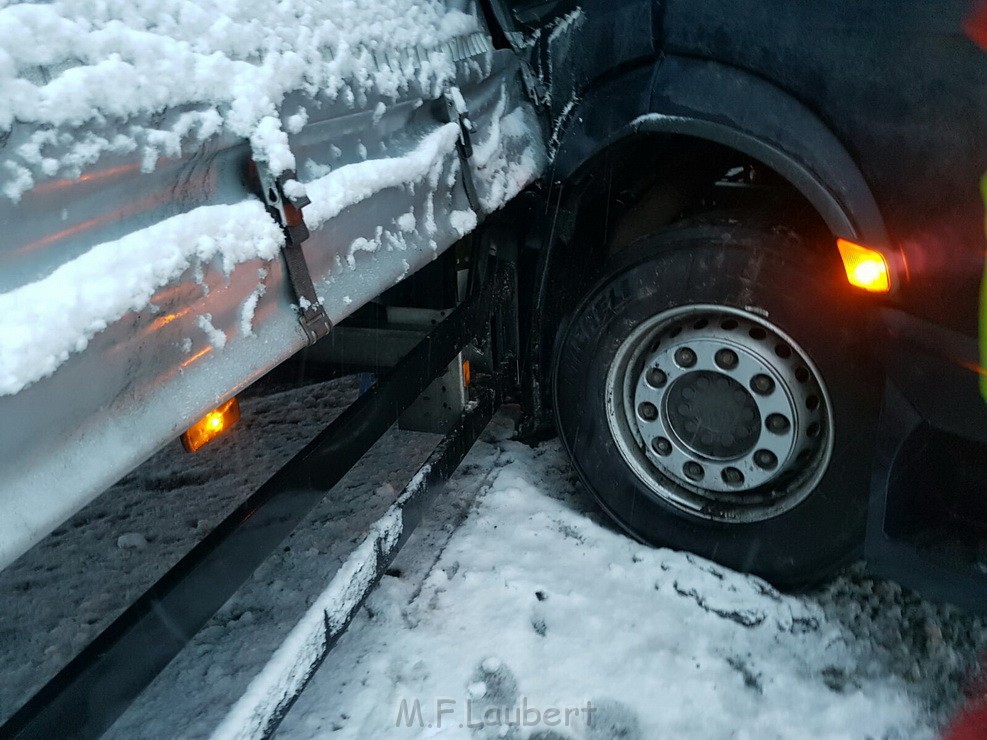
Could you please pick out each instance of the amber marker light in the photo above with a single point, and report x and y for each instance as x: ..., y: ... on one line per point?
x: 466, y: 373
x: 865, y: 268
x: 210, y: 426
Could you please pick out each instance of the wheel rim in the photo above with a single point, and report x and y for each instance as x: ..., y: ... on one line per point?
x: 720, y: 413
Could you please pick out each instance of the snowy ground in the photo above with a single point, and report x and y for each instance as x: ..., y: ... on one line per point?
x: 535, y: 600
x: 515, y: 592
x: 60, y: 594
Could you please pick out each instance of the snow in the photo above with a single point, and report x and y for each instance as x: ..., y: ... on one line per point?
x: 559, y: 125
x: 353, y: 183
x: 515, y: 591
x: 463, y: 221
x: 250, y: 305
x: 216, y: 337
x: 296, y: 122
x: 132, y: 540
x: 293, y: 662
x: 506, y: 176
x: 429, y: 220
x: 43, y: 322
x: 459, y: 103
x: 104, y: 66
x: 227, y: 64
x: 295, y: 190
x: 536, y: 602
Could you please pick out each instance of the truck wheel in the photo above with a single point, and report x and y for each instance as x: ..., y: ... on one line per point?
x: 714, y: 396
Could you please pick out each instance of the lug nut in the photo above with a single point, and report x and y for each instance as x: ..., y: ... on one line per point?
x: 661, y: 445
x: 726, y: 359
x: 777, y: 423
x: 685, y: 357
x: 656, y: 378
x: 732, y: 476
x: 693, y: 470
x: 762, y: 384
x: 648, y: 411
x: 765, y: 459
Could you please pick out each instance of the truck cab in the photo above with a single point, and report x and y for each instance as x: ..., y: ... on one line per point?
x: 804, y: 149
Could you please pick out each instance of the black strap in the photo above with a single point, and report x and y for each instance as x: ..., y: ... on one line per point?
x: 464, y: 148
x: 288, y: 212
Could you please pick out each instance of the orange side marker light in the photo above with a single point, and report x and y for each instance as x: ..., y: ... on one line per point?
x: 865, y: 268
x: 466, y: 373
x: 211, y: 425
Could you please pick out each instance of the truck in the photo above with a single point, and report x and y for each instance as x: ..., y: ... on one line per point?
x: 746, y: 250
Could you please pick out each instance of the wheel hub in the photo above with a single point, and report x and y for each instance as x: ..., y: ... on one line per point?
x: 724, y: 415
x: 713, y: 414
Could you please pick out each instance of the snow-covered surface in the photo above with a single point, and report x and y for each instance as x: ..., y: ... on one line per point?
x: 201, y: 69
x: 43, y: 322
x: 536, y: 601
x: 68, y: 68
x: 108, y: 65
x: 515, y: 588
x: 503, y: 176
x: 163, y: 314
x: 285, y: 673
x: 356, y: 182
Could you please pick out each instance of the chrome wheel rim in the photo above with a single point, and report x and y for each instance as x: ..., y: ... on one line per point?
x: 720, y: 413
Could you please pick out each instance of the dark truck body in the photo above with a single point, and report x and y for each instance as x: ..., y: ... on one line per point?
x: 905, y: 92
x: 875, y: 113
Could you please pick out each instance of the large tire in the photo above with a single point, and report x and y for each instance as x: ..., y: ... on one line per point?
x: 791, y: 523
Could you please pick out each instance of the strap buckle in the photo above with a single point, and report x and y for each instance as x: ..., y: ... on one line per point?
x: 288, y: 213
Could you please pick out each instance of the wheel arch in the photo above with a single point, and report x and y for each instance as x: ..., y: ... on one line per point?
x: 710, y: 102
x: 697, y: 109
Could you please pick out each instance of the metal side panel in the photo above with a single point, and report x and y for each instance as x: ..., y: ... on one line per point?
x: 147, y: 376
